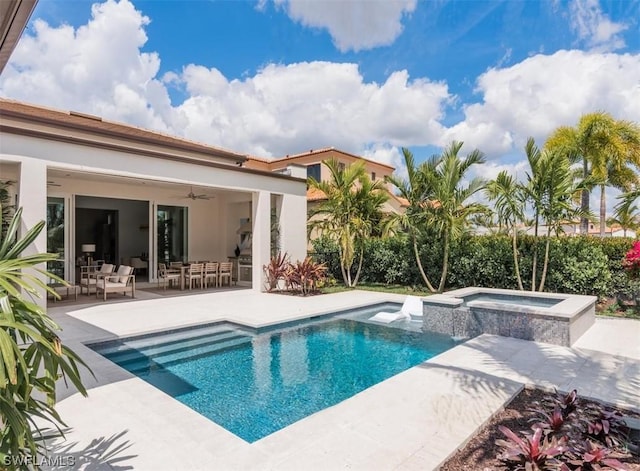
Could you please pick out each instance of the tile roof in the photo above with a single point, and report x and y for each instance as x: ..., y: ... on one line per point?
x: 95, y: 124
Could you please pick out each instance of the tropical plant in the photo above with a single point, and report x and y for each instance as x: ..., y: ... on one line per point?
x: 607, y: 148
x: 550, y: 191
x: 533, y: 452
x: 439, y: 201
x: 631, y: 262
x: 549, y: 422
x: 509, y: 200
x: 351, y: 213
x: 416, y: 190
x: 32, y: 356
x: 451, y: 211
x: 572, y: 437
x: 592, y: 457
x: 276, y: 270
x: 626, y: 216
x: 7, y: 207
x: 304, y: 276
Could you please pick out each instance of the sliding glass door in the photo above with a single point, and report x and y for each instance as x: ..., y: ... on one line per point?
x: 56, y: 235
x: 172, y: 234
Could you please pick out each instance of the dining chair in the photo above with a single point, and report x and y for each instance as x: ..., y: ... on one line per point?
x: 226, y: 269
x: 211, y: 273
x: 194, y: 272
x: 167, y: 275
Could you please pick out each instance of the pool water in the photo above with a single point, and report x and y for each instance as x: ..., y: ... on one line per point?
x: 255, y: 384
x: 524, y: 300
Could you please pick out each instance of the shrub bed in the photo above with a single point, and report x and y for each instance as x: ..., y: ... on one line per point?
x: 578, y: 265
x: 565, y: 434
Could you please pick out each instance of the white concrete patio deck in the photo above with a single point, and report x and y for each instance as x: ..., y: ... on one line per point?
x: 414, y: 420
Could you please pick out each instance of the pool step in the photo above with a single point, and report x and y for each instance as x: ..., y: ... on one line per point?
x: 169, y: 339
x: 123, y: 356
x: 137, y: 362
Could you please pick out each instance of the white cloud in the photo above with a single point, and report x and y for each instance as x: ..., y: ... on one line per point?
x: 284, y: 109
x: 99, y: 68
x: 537, y: 95
x: 594, y: 28
x: 353, y: 24
x: 96, y: 68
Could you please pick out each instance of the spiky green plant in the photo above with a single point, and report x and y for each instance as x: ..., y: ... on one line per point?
x: 32, y: 356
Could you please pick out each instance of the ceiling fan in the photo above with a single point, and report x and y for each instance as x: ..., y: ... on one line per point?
x: 192, y: 196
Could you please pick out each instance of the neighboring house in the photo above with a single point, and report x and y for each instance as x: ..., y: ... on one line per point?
x: 313, y: 162
x: 573, y: 229
x: 127, y: 192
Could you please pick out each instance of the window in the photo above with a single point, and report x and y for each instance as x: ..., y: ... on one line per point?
x: 314, y: 171
x: 341, y: 166
x: 373, y: 176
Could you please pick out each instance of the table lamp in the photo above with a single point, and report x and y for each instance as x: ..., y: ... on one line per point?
x: 89, y: 249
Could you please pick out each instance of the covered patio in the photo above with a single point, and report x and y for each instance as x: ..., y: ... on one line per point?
x: 139, y: 198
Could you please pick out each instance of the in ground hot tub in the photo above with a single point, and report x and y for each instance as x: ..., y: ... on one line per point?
x: 544, y: 317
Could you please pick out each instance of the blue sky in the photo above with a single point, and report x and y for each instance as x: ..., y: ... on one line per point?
x: 277, y: 77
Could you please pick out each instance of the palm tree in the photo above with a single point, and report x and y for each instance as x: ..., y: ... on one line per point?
x: 508, y: 197
x: 416, y: 191
x: 607, y: 148
x: 350, y: 214
x: 451, y: 211
x: 550, y: 190
x: 626, y: 216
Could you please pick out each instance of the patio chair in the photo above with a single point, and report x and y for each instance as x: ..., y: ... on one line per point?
x: 412, y: 306
x: 211, y: 273
x: 167, y: 276
x: 194, y: 273
x: 89, y: 275
x: 139, y: 264
x: 226, y: 270
x: 119, y: 282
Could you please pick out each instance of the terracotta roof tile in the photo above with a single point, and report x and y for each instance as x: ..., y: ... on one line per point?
x: 96, y: 124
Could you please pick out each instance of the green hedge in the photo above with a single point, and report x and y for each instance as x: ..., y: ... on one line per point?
x: 581, y: 265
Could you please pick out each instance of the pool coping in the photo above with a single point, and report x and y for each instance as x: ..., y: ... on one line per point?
x: 479, y: 377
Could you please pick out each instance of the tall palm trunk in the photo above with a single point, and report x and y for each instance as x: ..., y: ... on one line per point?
x: 346, y: 275
x: 445, y: 263
x: 603, y: 210
x: 516, y: 264
x: 355, y: 280
x: 584, y: 203
x: 546, y: 260
x: 534, y: 279
x: 417, y: 255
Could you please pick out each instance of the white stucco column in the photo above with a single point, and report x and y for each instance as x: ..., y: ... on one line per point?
x: 261, y: 217
x: 292, y: 216
x: 32, y: 197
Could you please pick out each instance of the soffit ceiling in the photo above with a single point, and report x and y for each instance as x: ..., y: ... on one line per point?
x: 14, y: 15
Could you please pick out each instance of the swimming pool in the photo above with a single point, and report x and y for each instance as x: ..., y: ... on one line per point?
x: 255, y: 383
